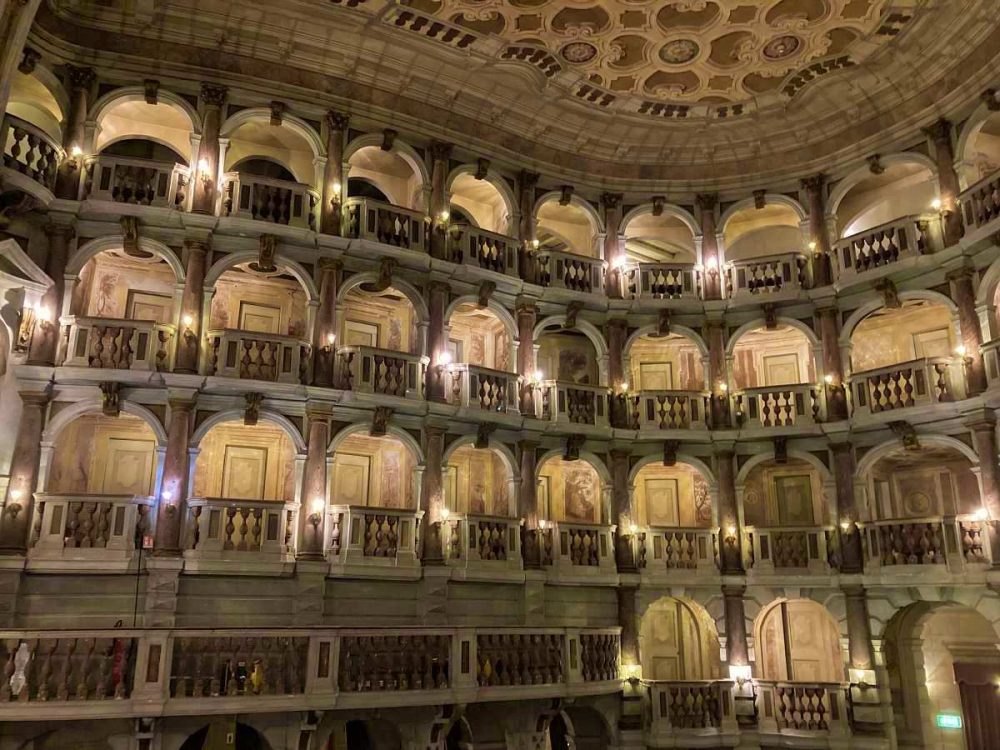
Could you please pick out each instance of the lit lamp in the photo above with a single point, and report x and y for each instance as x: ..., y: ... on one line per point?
x: 330, y: 339
x: 187, y: 320
x: 205, y: 171
x: 740, y: 673
x: 75, y: 153
x: 981, y: 515
x: 43, y: 317
x: 316, y: 508
x: 936, y: 204
x: 443, y: 217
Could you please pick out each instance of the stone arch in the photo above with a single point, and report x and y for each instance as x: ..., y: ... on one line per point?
x: 492, y: 305
x: 846, y: 183
x: 759, y: 458
x: 498, y: 182
x: 587, y: 719
x: 596, y: 222
x: 682, y: 458
x: 94, y: 405
x: 98, y: 245
x: 236, y: 415
x: 391, y: 431
x: 263, y: 114
x: 980, y: 599
x: 400, y: 148
x: 231, y: 260
x: 831, y: 606
x: 587, y: 329
x: 591, y: 458
x: 127, y: 94
x: 873, y: 456
x: 669, y: 209
x: 986, y: 295
x: 970, y: 129
x: 506, y: 456
x: 847, y: 330
x: 757, y: 323
x: 708, y: 627
x: 652, y: 328
x: 772, y: 199
x: 370, y: 277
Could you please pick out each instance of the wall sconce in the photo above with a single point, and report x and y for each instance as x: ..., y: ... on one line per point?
x: 443, y: 217
x: 740, y: 673
x: 936, y: 204
x: 712, y: 265
x: 633, y: 529
x: 443, y: 361
x: 542, y: 524
x: 337, y: 189
x: 845, y: 525
x: 535, y: 244
x: 42, y: 317
x: 75, y: 155
x: 330, y: 339
x: 981, y: 515
x: 187, y: 320
x: 13, y: 507
x: 618, y: 262
x: 316, y: 507
x: 445, y: 514
x: 723, y: 389
x: 205, y: 171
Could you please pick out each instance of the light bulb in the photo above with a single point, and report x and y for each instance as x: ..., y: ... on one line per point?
x: 723, y: 387
x: 166, y: 496
x: 444, y: 215
x: 330, y: 338
x: 317, y: 505
x: 936, y: 204
x: 712, y: 264
x: 845, y: 526
x: 618, y: 262
x: 337, y: 187
x: 542, y: 523
x: 445, y: 358
x: 43, y: 314
x: 624, y: 387
x: 538, y: 376
x: 16, y: 495
x: 445, y: 513
x: 828, y: 379
x: 204, y: 169
x: 981, y: 515
x: 960, y: 350
x: 632, y: 529
x: 76, y: 152
x: 535, y: 244
x: 187, y: 320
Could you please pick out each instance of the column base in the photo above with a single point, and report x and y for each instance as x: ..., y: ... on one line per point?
x: 310, y: 557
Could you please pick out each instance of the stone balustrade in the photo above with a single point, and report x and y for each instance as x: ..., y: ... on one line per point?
x: 600, y: 653
x: 481, y: 388
x: 677, y: 281
x: 384, y: 372
x: 787, y: 549
x: 246, y: 196
x: 991, y: 358
x: 668, y: 549
x: 489, y: 251
x: 239, y: 530
x: 256, y: 356
x: 372, y: 539
x: 576, y: 550
x: 691, y: 708
x: 981, y: 202
x: 801, y: 709
x: 764, y: 276
x: 238, y: 666
x: 108, y: 343
x: 669, y: 410
x: 139, y: 182
x: 888, y: 244
x: 919, y: 382
x: 779, y: 406
x: 573, y: 403
x: 520, y: 658
x: 476, y: 542
x: 29, y: 151
x: 368, y: 219
x: 52, y: 667
x: 575, y: 273
x: 394, y: 663
x: 956, y: 543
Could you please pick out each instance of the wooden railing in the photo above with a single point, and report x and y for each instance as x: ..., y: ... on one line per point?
x: 369, y: 536
x: 663, y: 281
x: 29, y: 151
x: 481, y: 541
x: 109, y: 343
x: 931, y: 380
x: 888, y: 243
x: 576, y: 273
x: 779, y: 405
x: 700, y: 708
x: 230, y: 528
x: 669, y: 410
x: 573, y: 403
x: 661, y: 548
x: 478, y: 248
x: 246, y: 196
x: 956, y: 542
x: 374, y: 220
x: 98, y: 528
x: 801, y: 708
x: 257, y: 356
x: 763, y: 276
x: 365, y: 369
x: 787, y: 548
x: 140, y: 182
x: 981, y: 202
x: 481, y: 388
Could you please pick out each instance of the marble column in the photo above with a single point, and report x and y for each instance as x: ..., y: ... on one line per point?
x: 206, y: 172
x: 822, y: 260
x: 964, y: 295
x: 730, y: 543
x: 189, y: 333
x: 313, y: 501
x: 16, y: 18
x: 621, y: 511
x: 19, y: 504
x: 737, y: 648
x: 948, y: 186
x: 851, y: 556
x: 984, y: 437
x: 617, y: 334
x: 440, y: 156
x: 526, y: 184
x: 437, y: 342
x: 527, y: 503
x: 432, y: 496
x: 718, y: 377
x: 325, y: 330
x: 171, y: 505
x: 45, y: 338
x: 527, y: 315
x: 628, y: 621
x: 833, y: 366
x: 710, y: 261
x: 614, y: 250
x: 81, y: 81
x: 859, y: 636
x: 335, y: 128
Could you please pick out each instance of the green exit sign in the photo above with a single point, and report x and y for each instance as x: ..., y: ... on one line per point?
x: 948, y: 721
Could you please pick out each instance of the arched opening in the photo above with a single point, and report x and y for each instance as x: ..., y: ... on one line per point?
x: 31, y: 101
x: 242, y: 462
x: 362, y: 187
x: 262, y: 166
x: 219, y: 732
x: 566, y: 229
x: 479, y: 481
x: 477, y: 336
x: 459, y: 737
x: 903, y: 189
x: 570, y: 491
x: 678, y: 641
x: 380, y: 320
x: 390, y: 173
x: 982, y: 151
x: 798, y: 641
x: 480, y: 202
x: 256, y: 142
x: 768, y: 357
x: 559, y: 734
x: 568, y: 356
x: 665, y: 363
x: 942, y: 659
x: 787, y: 495
x: 659, y: 239
x: 371, y: 471
x: 671, y: 497
x: 751, y: 233
x: 579, y: 728
x: 917, y: 330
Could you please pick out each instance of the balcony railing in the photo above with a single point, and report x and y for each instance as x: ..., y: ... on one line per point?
x: 576, y: 273
x: 889, y: 243
x: 100, y: 529
x: 230, y: 529
x: 763, y: 276
x: 981, y: 202
x: 257, y: 356
x: 662, y: 549
x: 246, y: 196
x: 699, y: 709
x: 780, y: 405
x: 579, y: 548
x: 663, y: 281
x: 478, y: 248
x: 367, y: 537
x: 483, y: 544
x: 919, y: 382
x: 27, y: 150
x: 140, y: 182
x: 481, y: 388
x: 110, y: 343
x: 368, y: 219
x: 365, y: 369
x: 991, y: 357
x: 787, y: 549
x: 956, y: 542
x: 669, y: 410
x: 573, y: 403
x: 802, y: 709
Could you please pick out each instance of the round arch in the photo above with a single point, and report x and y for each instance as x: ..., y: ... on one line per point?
x: 496, y: 180
x: 847, y: 330
x: 371, y: 277
x: 391, y: 431
x: 492, y: 305
x: 606, y: 727
x: 128, y: 94
x: 400, y: 148
x: 845, y: 184
x: 759, y: 458
x: 978, y: 599
x: 243, y: 256
x: 596, y: 222
x: 688, y: 333
x: 295, y: 124
x: 592, y: 459
x: 96, y: 246
x: 236, y: 415
x: 682, y: 458
x: 873, y: 456
x: 969, y: 131
x: 582, y: 326
x: 770, y: 199
x: 494, y: 445
x: 670, y: 210
x: 94, y: 406
x: 758, y: 323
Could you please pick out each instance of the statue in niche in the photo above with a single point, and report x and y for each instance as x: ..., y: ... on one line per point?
x: 580, y: 490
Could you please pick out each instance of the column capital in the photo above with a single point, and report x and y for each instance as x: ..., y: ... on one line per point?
x: 337, y: 120
x: 853, y: 590
x: 707, y: 201
x: 528, y: 180
x: 434, y: 430
x: 844, y: 447
x: 733, y: 590
x: 525, y: 306
x: 960, y: 274
x: 612, y: 201
x: 80, y: 77
x: 35, y: 397
x: 618, y: 454
x: 182, y: 403
x: 330, y: 264
x: 621, y: 323
x: 63, y: 227
x: 213, y: 94
x: 814, y: 183
x: 527, y: 444
x: 436, y: 287
x: 981, y: 420
x: 319, y: 411
x: 940, y: 131
x: 441, y: 150
x: 197, y: 244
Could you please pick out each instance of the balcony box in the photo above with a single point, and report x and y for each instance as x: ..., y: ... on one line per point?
x: 477, y: 248
x: 763, y: 277
x: 888, y: 244
x: 367, y: 542
x: 246, y: 196
x: 692, y: 713
x: 677, y: 281
x: 780, y: 405
x: 139, y: 182
x: 787, y: 550
x: 30, y: 158
x: 919, y: 382
x: 383, y: 372
x: 483, y: 547
x: 257, y: 356
x: 117, y: 344
x: 481, y: 389
x: 981, y: 204
x: 239, y: 536
x: 574, y: 273
x: 917, y: 547
x: 662, y: 550
x: 573, y: 403
x: 801, y: 712
x: 367, y: 219
x: 669, y: 410
x: 579, y: 551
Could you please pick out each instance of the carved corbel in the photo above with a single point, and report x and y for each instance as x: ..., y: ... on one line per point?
x: 759, y: 199
x: 770, y: 316
x: 151, y: 90
x: 380, y: 421
x: 572, y: 310
x: 573, y: 445
x: 659, y: 201
x: 670, y: 452
x: 388, y: 139
x: 130, y: 236
x: 29, y: 59
x: 565, y: 195
x: 906, y: 434
x: 278, y: 112
x: 990, y: 98
x: 890, y: 295
x: 483, y: 435
x: 486, y: 290
x: 386, y: 268
x: 251, y: 413
x: 482, y: 168
x: 875, y: 165
x: 111, y: 399
x: 663, y: 323
x: 781, y: 450
x: 265, y: 257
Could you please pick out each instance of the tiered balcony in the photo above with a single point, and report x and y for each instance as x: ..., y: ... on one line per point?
x: 780, y: 406
x: 484, y: 547
x: 888, y: 244
x: 481, y: 389
x: 949, y: 544
x: 691, y: 714
x: 373, y: 542
x: 569, y: 271
x: 573, y: 403
x: 256, y: 356
x: 109, y: 343
x: 669, y: 410
x: 749, y: 279
x: 789, y: 550
x: 30, y: 158
x: 383, y: 372
x: 139, y: 182
x: 579, y: 551
x: 981, y: 203
x: 677, y: 281
x: 239, y: 536
x: 798, y: 714
x: 368, y: 219
x: 478, y: 248
x: 246, y: 196
x: 919, y: 382
x: 662, y: 552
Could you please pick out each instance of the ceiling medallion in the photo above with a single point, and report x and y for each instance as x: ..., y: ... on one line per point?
x: 578, y: 52
x: 679, y: 51
x: 781, y: 47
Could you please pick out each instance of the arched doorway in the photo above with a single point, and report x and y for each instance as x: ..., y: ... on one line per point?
x: 226, y: 734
